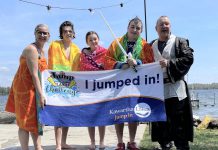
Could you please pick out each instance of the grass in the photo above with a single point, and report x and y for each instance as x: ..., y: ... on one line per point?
x: 203, y: 140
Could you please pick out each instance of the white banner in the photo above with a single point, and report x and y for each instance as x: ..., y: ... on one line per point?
x: 77, y: 94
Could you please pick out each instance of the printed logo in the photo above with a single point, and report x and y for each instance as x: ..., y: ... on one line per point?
x: 142, y: 110
x: 61, y: 84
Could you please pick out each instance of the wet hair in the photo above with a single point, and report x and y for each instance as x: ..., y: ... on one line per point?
x: 38, y: 26
x: 136, y: 20
x: 90, y: 33
x: 64, y: 24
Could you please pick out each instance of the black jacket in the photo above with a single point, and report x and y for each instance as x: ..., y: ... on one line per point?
x: 179, y: 66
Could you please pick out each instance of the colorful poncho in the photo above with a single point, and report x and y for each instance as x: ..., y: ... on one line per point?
x: 57, y: 59
x: 142, y: 51
x: 94, y: 61
x: 22, y: 97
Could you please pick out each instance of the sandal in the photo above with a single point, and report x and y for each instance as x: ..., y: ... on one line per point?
x: 120, y: 146
x: 132, y: 146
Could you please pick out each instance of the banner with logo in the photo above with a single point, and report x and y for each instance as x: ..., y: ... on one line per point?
x: 99, y: 98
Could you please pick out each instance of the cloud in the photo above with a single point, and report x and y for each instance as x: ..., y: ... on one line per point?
x: 4, y: 69
x: 6, y: 81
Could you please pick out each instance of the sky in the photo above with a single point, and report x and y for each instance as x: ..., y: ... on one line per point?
x: 196, y: 20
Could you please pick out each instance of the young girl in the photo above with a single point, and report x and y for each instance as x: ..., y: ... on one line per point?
x: 92, y: 59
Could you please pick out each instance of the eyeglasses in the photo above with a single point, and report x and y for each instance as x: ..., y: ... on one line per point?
x: 42, y: 33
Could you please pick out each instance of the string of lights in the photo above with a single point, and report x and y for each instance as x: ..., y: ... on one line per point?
x: 49, y: 7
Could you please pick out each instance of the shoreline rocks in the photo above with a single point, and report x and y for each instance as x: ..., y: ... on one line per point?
x: 7, y: 117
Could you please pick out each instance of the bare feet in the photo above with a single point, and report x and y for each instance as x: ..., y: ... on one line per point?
x: 58, y: 147
x: 92, y: 146
x: 39, y: 148
x: 66, y: 146
x: 101, y: 146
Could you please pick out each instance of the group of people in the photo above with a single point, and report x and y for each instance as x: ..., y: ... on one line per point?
x: 173, y: 53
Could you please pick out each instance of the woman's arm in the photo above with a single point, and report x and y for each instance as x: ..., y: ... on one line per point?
x: 31, y: 55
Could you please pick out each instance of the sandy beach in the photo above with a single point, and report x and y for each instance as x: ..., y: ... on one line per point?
x: 77, y: 137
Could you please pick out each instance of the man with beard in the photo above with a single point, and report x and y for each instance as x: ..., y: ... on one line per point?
x: 175, y: 57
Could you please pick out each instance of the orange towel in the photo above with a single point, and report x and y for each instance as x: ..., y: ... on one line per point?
x: 21, y: 99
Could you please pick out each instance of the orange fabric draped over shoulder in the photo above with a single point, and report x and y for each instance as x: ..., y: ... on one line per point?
x: 22, y: 98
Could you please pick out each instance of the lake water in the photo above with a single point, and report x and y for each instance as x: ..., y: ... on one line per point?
x: 2, y: 102
x: 208, y: 102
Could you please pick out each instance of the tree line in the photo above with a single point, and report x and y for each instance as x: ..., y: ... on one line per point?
x: 196, y: 86
x: 4, y: 90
